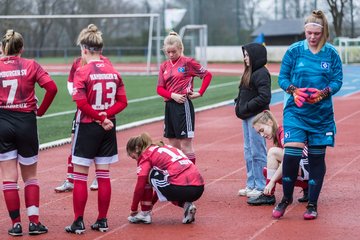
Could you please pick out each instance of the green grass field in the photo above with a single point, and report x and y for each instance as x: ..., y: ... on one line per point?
x: 57, y: 127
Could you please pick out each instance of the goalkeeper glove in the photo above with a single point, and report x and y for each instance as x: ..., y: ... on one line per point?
x: 317, y: 95
x: 299, y: 94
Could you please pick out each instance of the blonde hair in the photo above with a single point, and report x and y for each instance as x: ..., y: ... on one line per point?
x: 139, y: 143
x: 12, y: 43
x: 318, y: 17
x: 263, y: 118
x: 91, y: 39
x: 173, y: 39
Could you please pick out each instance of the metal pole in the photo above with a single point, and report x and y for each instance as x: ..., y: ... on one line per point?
x: 148, y: 61
x: 158, y: 51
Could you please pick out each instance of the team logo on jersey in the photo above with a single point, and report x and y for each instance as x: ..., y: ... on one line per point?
x: 325, y: 65
x: 9, y: 62
x: 287, y: 135
x: 181, y: 69
x: 99, y: 65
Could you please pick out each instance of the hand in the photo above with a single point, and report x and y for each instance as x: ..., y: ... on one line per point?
x: 101, y: 114
x: 107, y: 124
x: 317, y: 95
x: 179, y: 98
x: 193, y: 95
x: 268, y: 188
x: 300, y: 96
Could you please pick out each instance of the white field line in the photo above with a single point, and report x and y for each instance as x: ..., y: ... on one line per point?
x: 136, y: 100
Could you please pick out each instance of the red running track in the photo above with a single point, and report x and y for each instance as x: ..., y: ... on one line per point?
x: 221, y: 213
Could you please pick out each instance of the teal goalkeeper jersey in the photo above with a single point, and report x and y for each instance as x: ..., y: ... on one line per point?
x: 303, y: 69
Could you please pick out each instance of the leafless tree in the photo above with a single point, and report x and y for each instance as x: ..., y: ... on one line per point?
x: 337, y: 12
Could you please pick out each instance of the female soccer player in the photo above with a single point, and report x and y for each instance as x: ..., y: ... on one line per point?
x: 175, y: 85
x: 18, y: 129
x: 266, y: 125
x: 68, y: 184
x: 173, y: 176
x: 99, y: 94
x: 311, y: 72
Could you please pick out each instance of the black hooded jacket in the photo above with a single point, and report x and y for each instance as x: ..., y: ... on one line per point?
x: 255, y: 98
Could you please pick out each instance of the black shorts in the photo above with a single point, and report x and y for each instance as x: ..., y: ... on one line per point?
x: 179, y: 120
x: 18, y: 136
x: 93, y: 143
x: 169, y: 192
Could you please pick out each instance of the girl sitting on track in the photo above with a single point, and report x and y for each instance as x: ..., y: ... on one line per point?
x: 266, y: 125
x: 173, y: 176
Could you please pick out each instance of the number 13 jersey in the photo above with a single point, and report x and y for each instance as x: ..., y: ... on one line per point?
x: 99, y: 83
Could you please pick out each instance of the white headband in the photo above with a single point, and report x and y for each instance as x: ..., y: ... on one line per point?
x: 314, y: 24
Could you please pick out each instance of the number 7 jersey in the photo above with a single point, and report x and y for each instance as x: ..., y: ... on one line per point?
x: 99, y: 83
x: 17, y: 83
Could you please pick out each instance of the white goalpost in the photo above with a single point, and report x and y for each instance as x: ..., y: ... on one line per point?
x: 349, y: 49
x: 154, y: 25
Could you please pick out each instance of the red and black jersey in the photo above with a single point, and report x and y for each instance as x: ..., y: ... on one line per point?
x: 17, y: 83
x: 77, y: 63
x: 98, y: 83
x: 181, y: 171
x: 178, y: 77
x: 280, y: 136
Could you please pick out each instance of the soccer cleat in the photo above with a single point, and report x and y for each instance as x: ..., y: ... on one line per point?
x: 16, y: 230
x: 279, y: 210
x: 244, y: 191
x: 189, y: 213
x: 94, y: 185
x: 141, y: 217
x: 305, y: 197
x: 36, y: 229
x: 76, y: 227
x: 65, y: 187
x: 100, y: 225
x: 311, y: 212
x: 262, y: 200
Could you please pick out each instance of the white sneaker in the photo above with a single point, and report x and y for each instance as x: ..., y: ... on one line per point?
x: 189, y: 213
x: 94, y: 185
x: 254, y: 193
x: 65, y: 187
x: 141, y: 217
x: 244, y: 191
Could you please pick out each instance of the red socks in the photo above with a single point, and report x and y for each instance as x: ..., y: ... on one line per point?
x: 12, y: 200
x: 80, y: 194
x: 70, y: 169
x: 104, y: 192
x: 32, y: 199
x: 146, y: 200
x: 191, y: 157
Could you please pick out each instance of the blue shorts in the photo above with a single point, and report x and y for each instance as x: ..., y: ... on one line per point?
x: 292, y: 134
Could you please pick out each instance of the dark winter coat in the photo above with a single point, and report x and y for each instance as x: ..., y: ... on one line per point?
x: 255, y: 98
